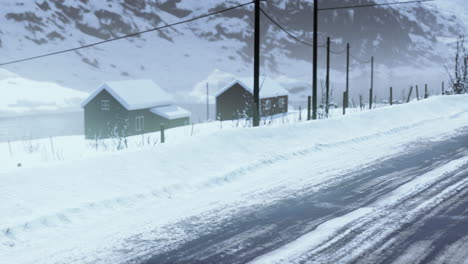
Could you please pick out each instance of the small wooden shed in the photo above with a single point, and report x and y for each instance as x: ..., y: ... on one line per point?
x: 235, y: 100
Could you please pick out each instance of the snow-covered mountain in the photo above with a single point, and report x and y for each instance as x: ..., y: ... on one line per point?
x: 410, y: 42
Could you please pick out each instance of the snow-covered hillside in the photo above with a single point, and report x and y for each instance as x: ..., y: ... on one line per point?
x: 401, y: 37
x: 120, y: 206
x: 24, y: 96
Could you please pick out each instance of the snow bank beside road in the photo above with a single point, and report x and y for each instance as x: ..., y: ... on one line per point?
x: 77, y: 199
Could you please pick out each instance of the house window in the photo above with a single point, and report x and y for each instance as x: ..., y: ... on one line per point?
x: 105, y: 105
x: 140, y: 123
x: 282, y: 103
x: 268, y: 104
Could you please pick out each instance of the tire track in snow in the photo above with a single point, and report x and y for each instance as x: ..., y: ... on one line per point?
x: 380, y: 236
x: 295, y: 218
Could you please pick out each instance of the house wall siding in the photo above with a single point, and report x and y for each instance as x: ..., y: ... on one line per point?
x: 118, y: 121
x: 102, y: 124
x: 275, y: 107
x: 236, y: 103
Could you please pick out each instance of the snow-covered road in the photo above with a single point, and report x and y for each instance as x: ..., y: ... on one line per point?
x: 411, y: 208
x: 341, y: 186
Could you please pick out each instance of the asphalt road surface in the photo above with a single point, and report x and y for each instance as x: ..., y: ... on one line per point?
x: 435, y: 233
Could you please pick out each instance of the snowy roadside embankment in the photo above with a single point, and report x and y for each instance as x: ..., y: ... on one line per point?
x: 89, y: 206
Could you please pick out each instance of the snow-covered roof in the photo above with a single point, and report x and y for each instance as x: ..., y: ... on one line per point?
x: 134, y: 94
x: 268, y: 87
x: 171, y: 112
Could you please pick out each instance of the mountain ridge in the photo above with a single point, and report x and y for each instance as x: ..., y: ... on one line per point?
x: 398, y: 37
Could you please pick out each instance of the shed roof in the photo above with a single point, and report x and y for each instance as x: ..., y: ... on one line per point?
x: 268, y: 87
x: 134, y: 94
x: 171, y: 112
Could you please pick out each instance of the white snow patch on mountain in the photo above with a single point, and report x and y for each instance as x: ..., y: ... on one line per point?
x: 24, y: 96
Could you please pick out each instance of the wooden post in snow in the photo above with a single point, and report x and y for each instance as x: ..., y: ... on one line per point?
x: 207, y: 103
x: 443, y: 88
x: 361, y: 103
x: 417, y: 92
x: 52, y: 147
x: 344, y: 103
x: 409, y: 95
x: 9, y: 147
x: 163, y: 139
x: 308, y: 106
x: 300, y: 113
x: 426, y: 92
x: 391, y: 95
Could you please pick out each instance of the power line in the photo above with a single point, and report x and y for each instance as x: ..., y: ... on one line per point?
x: 359, y: 60
x: 372, y: 5
x: 284, y: 30
x: 126, y: 36
x: 338, y: 52
x: 287, y: 32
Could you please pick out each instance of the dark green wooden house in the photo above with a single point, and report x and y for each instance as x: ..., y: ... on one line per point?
x: 126, y: 108
x: 235, y: 100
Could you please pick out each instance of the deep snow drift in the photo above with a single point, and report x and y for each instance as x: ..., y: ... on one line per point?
x: 98, y: 208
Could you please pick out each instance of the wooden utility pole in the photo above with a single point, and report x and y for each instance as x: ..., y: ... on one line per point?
x: 314, y: 74
x: 207, y: 103
x: 256, y: 93
x: 372, y: 83
x: 443, y: 88
x: 391, y: 95
x: 308, y: 106
x: 347, y: 76
x: 327, y: 84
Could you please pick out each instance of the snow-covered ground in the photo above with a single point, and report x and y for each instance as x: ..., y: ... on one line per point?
x: 80, y: 204
x: 52, y: 150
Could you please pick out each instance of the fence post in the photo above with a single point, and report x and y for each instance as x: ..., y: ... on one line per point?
x: 443, y: 88
x: 344, y: 103
x: 9, y: 147
x: 361, y: 103
x: 417, y: 92
x: 409, y: 95
x: 52, y: 147
x: 391, y: 95
x: 308, y: 106
x: 426, y: 92
x: 300, y: 113
x: 163, y: 139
